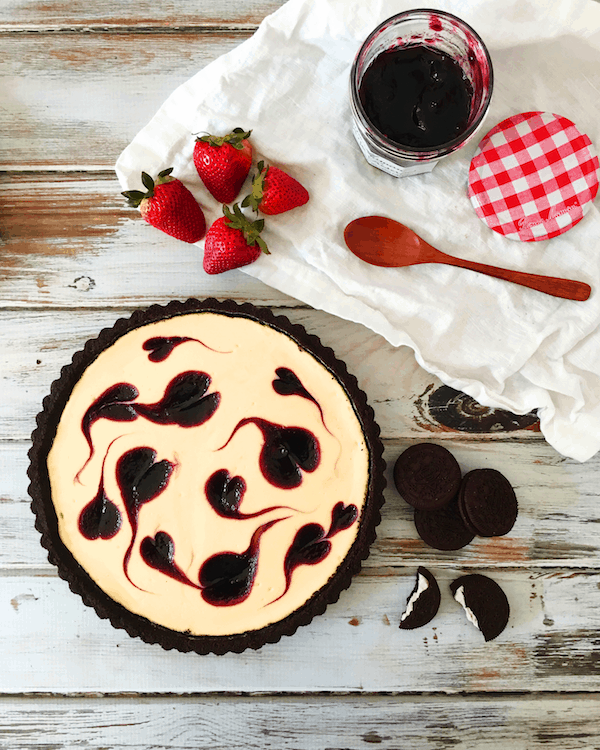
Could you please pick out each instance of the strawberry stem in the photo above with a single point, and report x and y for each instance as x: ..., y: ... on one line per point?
x: 254, y: 199
x: 135, y: 197
x: 251, y: 229
x: 235, y: 138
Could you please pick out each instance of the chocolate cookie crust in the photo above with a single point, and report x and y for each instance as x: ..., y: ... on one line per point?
x: 81, y: 583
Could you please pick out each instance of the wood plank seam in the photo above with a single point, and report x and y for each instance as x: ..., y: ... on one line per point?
x: 120, y: 29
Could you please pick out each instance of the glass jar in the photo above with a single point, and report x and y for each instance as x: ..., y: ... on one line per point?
x: 445, y: 40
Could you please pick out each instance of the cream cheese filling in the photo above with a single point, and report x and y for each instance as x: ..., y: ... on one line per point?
x: 241, y: 357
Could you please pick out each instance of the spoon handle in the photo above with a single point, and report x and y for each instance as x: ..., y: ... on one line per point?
x: 565, y: 288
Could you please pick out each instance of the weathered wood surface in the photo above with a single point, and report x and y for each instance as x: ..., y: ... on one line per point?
x: 78, y: 99
x: 39, y: 343
x: 557, y: 526
x: 77, y: 81
x: 18, y: 15
x: 302, y: 723
x: 551, y: 643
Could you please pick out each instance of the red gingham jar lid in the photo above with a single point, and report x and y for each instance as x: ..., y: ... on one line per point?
x: 533, y: 176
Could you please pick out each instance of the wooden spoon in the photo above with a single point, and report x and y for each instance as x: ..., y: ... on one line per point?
x: 385, y: 242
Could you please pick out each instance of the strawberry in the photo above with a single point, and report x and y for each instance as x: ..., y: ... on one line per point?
x: 169, y: 206
x: 233, y: 241
x: 275, y: 191
x: 223, y: 163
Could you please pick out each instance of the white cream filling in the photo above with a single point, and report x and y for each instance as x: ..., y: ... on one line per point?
x: 460, y: 598
x: 422, y: 586
x: 242, y: 369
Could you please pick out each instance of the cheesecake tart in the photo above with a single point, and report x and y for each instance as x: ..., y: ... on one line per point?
x: 206, y: 475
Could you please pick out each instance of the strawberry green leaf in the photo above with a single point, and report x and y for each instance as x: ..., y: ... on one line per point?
x: 263, y: 246
x: 251, y: 229
x: 254, y: 199
x: 235, y: 138
x: 134, y: 197
x: 238, y: 212
x: 147, y: 182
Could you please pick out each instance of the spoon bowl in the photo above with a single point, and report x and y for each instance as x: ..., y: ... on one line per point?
x: 387, y: 243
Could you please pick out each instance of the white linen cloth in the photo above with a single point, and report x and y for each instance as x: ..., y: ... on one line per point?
x: 506, y: 346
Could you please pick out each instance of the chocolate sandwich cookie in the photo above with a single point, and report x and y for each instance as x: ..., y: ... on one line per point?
x: 487, y: 503
x: 427, y: 476
x: 423, y: 603
x: 444, y: 528
x: 484, y: 602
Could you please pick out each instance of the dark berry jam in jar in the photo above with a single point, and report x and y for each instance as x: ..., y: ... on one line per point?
x: 420, y: 87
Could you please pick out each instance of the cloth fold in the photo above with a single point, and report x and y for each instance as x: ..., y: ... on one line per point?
x: 506, y: 346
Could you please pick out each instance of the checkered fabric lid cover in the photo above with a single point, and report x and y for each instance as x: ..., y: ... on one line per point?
x: 533, y: 176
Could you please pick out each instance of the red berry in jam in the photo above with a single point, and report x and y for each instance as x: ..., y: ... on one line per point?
x: 114, y: 404
x: 185, y: 403
x: 100, y: 519
x: 286, y: 452
x: 158, y: 552
x: 225, y: 493
x: 160, y: 346
x: 140, y: 480
x: 227, y: 578
x: 342, y: 517
x: 416, y: 96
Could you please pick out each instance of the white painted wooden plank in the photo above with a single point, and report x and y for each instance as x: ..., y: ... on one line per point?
x: 558, y: 522
x: 302, y: 723
x: 80, y: 98
x: 71, y: 241
x: 168, y: 14
x: 35, y: 345
x: 56, y: 644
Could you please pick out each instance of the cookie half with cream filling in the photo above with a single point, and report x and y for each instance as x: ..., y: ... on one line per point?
x: 423, y: 603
